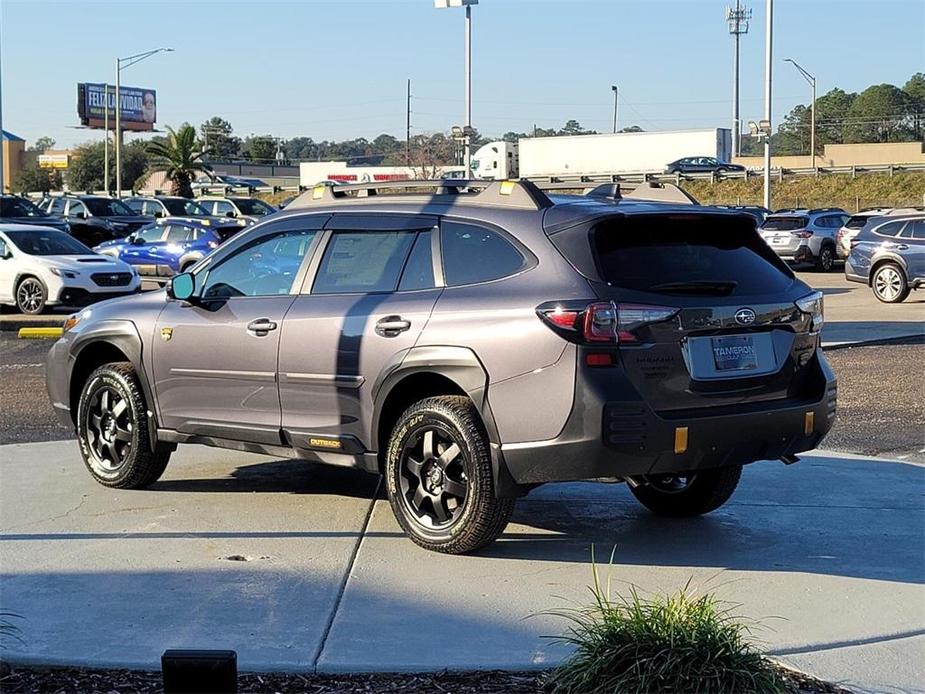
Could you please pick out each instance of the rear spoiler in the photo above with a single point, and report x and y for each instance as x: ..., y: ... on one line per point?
x: 650, y: 191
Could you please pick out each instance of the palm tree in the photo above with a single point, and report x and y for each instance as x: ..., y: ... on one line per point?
x: 180, y: 157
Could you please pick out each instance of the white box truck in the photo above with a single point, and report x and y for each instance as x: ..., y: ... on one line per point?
x: 587, y: 155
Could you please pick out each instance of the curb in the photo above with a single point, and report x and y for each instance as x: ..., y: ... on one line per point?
x: 40, y: 333
x: 14, y: 324
x: 910, y: 339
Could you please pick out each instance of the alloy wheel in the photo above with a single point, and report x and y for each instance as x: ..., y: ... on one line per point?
x: 826, y: 259
x: 888, y: 283
x: 109, y: 428
x: 433, y: 478
x: 671, y: 484
x: 30, y: 296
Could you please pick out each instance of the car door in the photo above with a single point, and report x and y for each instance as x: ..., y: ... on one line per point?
x: 363, y: 308
x: 7, y: 270
x: 215, y: 357
x: 911, y: 246
x: 140, y: 249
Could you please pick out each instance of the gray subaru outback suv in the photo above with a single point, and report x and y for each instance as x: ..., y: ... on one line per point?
x: 469, y: 344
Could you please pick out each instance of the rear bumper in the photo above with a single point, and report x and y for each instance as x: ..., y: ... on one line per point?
x: 608, y: 438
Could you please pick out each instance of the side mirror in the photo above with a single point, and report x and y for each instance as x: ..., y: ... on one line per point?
x: 79, y: 215
x: 181, y: 286
x: 159, y: 214
x: 136, y: 240
x: 4, y: 251
x: 229, y: 214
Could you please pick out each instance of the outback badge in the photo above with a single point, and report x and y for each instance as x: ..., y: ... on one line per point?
x: 166, y: 334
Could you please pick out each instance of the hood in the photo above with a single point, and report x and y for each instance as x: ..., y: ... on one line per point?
x: 91, y: 262
x: 53, y: 222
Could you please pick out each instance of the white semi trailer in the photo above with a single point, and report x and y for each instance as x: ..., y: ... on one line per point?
x: 587, y: 155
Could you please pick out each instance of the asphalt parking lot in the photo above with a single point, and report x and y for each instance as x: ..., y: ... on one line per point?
x: 302, y: 567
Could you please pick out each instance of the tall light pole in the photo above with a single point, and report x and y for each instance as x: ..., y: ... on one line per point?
x: 106, y: 137
x: 467, y: 126
x: 121, y: 64
x: 2, y: 160
x: 737, y: 17
x: 615, y: 92
x: 768, y: 40
x: 812, y: 123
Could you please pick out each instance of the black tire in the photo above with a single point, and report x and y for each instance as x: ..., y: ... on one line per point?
x: 31, y: 295
x: 889, y: 283
x: 699, y: 492
x: 112, y: 430
x: 825, y: 261
x: 420, y: 492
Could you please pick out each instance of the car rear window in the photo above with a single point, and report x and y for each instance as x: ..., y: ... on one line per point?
x: 784, y: 223
x: 693, y: 256
x: 858, y: 221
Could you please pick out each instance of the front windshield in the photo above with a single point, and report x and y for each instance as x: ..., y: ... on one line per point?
x: 253, y: 207
x: 180, y: 207
x: 47, y: 242
x: 19, y: 207
x: 101, y: 207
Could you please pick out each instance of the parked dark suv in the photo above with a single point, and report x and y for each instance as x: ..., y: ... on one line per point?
x: 96, y: 218
x: 469, y: 346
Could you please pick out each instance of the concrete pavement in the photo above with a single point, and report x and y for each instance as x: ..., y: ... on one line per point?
x: 299, y: 567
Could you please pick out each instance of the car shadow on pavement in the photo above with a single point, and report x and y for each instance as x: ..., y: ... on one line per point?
x: 290, y: 476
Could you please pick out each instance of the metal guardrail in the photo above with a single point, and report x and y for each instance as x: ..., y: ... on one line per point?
x: 575, y: 181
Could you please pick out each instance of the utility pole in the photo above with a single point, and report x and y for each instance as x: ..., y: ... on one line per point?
x: 118, y: 132
x: 468, y: 124
x: 613, y: 87
x: 408, y: 127
x: 737, y: 17
x: 768, y: 40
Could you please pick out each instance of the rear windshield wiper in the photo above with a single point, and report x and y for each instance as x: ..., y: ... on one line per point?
x: 707, y: 287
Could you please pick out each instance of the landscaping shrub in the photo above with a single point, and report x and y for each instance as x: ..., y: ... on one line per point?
x: 676, y: 643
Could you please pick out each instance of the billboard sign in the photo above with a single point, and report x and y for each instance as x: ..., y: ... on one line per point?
x: 137, y: 110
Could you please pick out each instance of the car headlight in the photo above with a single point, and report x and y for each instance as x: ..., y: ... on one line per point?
x: 812, y: 304
x: 75, y: 318
x: 70, y: 274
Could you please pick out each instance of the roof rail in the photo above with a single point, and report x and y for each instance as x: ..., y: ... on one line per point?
x: 507, y: 193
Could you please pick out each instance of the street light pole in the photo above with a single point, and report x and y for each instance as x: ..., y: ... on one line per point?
x: 769, y: 22
x: 121, y: 64
x: 2, y: 159
x: 615, y: 92
x: 737, y: 17
x: 812, y: 123
x: 106, y: 137
x: 467, y: 124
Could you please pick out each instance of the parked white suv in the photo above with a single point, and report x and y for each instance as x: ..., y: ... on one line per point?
x: 40, y: 267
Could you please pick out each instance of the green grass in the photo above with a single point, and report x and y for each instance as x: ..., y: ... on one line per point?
x: 675, y: 643
x: 866, y: 190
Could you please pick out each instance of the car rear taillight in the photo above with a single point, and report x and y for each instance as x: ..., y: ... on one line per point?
x: 603, y: 323
x: 804, y: 234
x: 840, y: 235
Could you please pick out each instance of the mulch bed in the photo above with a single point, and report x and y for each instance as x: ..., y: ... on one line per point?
x: 55, y: 680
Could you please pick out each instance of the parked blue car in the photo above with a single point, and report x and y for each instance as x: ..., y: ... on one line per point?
x: 168, y: 247
x: 889, y: 256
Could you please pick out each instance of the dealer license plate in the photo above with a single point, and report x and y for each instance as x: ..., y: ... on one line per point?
x: 735, y: 353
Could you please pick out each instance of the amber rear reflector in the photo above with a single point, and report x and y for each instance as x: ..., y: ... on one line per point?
x: 680, y: 439
x: 809, y: 422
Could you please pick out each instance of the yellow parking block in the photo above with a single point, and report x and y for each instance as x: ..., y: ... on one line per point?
x: 41, y: 333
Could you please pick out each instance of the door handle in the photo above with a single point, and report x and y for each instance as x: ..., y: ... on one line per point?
x: 390, y: 326
x: 901, y: 247
x: 261, y: 326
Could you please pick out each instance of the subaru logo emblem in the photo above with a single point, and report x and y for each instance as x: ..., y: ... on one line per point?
x: 114, y: 277
x: 745, y: 316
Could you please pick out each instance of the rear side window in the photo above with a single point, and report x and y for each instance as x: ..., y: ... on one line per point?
x: 419, y: 270
x: 891, y: 229
x: 474, y: 254
x: 686, y: 257
x: 362, y: 262
x: 784, y: 223
x: 918, y: 230
x: 857, y: 221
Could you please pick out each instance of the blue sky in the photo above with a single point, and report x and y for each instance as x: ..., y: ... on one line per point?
x: 332, y: 69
